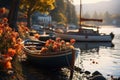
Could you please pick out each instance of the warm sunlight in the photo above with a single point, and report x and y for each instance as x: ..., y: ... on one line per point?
x: 88, y: 1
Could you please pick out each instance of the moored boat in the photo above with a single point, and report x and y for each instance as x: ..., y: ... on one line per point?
x: 59, y: 59
x: 78, y: 36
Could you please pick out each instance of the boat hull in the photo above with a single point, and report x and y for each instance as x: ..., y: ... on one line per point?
x: 101, y: 38
x: 50, y: 59
x: 57, y: 61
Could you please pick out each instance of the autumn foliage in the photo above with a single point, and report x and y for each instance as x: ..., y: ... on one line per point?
x: 10, y: 44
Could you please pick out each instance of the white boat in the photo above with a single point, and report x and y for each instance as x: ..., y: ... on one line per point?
x: 86, y: 37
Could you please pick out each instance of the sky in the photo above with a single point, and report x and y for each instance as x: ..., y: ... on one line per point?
x: 87, y: 1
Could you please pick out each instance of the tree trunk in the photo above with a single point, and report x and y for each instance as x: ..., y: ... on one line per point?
x: 29, y: 19
x: 12, y: 16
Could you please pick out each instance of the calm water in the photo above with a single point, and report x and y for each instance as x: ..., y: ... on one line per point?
x: 102, y: 57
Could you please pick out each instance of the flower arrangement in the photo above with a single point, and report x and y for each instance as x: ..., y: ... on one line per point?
x: 57, y: 45
x: 23, y: 30
x: 10, y: 44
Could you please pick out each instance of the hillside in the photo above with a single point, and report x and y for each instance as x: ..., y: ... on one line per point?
x: 110, y: 6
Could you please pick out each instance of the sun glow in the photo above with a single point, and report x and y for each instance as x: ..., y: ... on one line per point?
x: 87, y: 1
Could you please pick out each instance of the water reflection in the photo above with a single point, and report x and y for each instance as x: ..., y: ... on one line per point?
x: 95, y: 55
x: 32, y: 72
x: 93, y: 47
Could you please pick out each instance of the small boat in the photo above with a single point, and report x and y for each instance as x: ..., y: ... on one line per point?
x: 50, y: 60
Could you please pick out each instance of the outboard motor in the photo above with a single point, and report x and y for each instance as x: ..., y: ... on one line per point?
x: 112, y: 35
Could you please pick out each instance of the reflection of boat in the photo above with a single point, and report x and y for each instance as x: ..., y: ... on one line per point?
x: 53, y: 59
x: 85, y: 34
x: 92, y: 46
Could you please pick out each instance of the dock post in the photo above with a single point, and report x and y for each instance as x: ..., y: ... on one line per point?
x: 72, y: 64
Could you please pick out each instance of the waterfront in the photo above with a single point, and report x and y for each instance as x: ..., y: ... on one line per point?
x: 96, y: 56
x: 103, y: 58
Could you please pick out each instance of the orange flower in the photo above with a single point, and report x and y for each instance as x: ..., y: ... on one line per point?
x: 55, y: 48
x: 19, y: 40
x: 36, y: 36
x: 67, y: 44
x: 11, y: 52
x: 4, y: 20
x: 58, y: 45
x: 47, y: 44
x: 62, y: 42
x: 58, y: 39
x: 44, y: 50
x: 18, y: 47
x: 71, y: 47
x: 14, y: 34
x: 50, y: 41
x: 7, y: 58
x: 72, y: 41
x: 26, y: 29
x: 1, y: 31
x: 8, y: 28
x: 8, y: 65
x: 2, y: 10
x: 13, y: 39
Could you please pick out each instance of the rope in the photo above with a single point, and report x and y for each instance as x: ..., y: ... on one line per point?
x: 69, y: 64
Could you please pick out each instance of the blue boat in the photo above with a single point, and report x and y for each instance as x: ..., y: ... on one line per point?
x: 50, y: 60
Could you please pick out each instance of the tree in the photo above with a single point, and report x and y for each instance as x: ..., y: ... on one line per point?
x: 71, y: 13
x: 58, y: 14
x: 30, y: 6
x: 107, y: 18
x: 87, y: 15
x: 64, y: 12
x: 5, y: 3
x: 12, y: 5
x: 95, y: 16
x: 13, y: 12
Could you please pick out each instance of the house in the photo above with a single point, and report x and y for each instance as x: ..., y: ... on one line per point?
x: 44, y: 19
